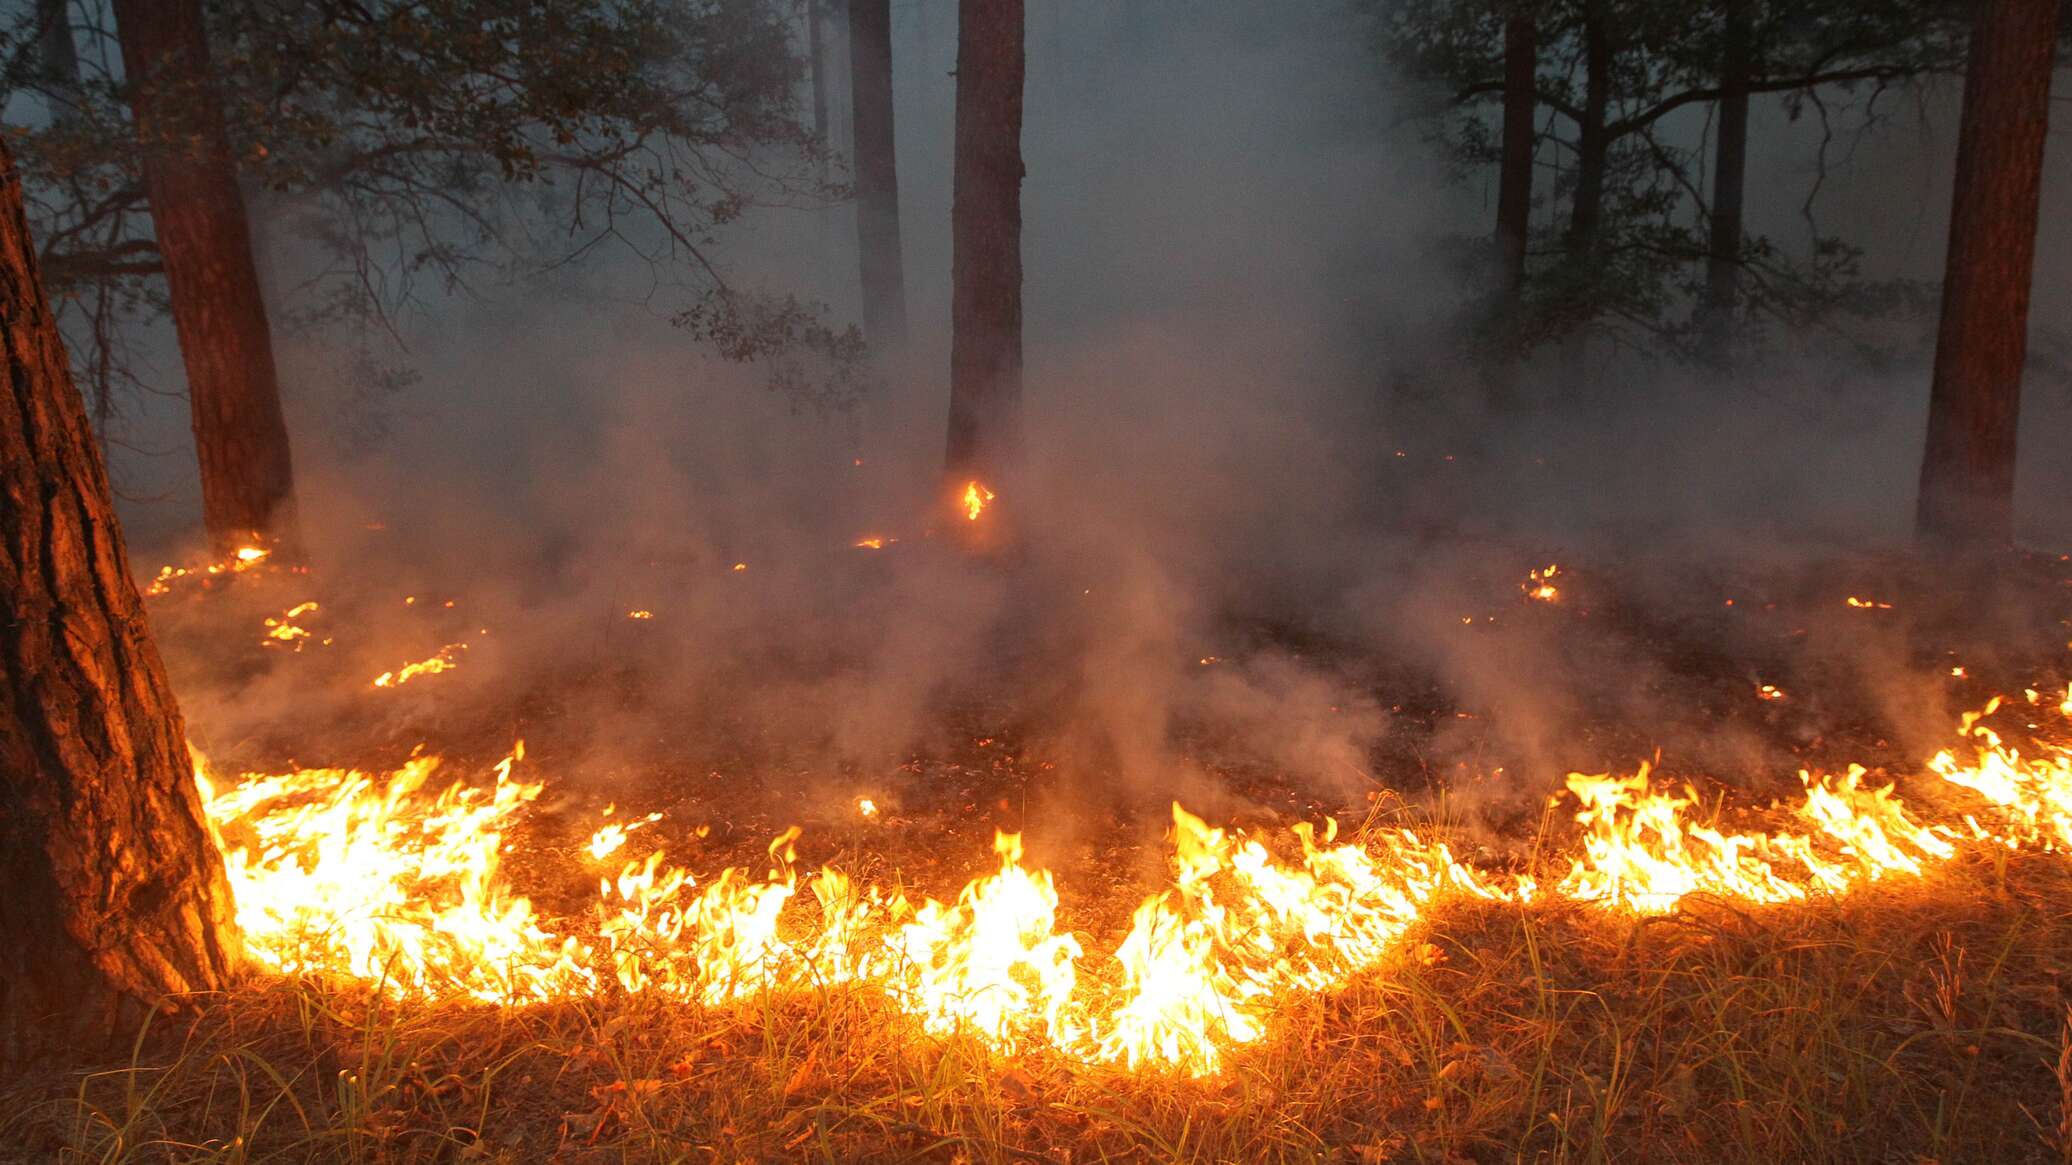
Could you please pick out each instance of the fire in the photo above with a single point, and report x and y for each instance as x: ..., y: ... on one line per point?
x: 1868, y: 604
x: 1539, y: 584
x: 611, y: 837
x: 641, y: 613
x: 874, y: 542
x: 1769, y: 692
x: 283, y: 629
x: 339, y: 872
x: 975, y: 499
x: 441, y: 660
x: 242, y: 559
x: 382, y: 878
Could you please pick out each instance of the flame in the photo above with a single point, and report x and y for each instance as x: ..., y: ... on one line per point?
x: 874, y: 542
x: 340, y: 872
x: 975, y: 500
x: 1868, y: 604
x: 642, y: 613
x: 611, y: 837
x: 242, y: 559
x: 1539, y: 584
x: 282, y: 628
x: 441, y: 660
x: 380, y: 878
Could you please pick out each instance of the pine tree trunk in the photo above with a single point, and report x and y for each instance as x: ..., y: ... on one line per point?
x: 817, y: 68
x: 114, y: 894
x: 1514, y: 170
x: 1729, y: 181
x: 190, y: 181
x: 1967, y: 469
x: 877, y: 174
x: 986, y: 235
x: 1593, y: 142
x: 57, y: 56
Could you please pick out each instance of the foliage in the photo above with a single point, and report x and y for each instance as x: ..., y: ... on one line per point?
x: 418, y: 145
x: 1639, y: 279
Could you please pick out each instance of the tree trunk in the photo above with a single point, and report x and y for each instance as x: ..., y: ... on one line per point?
x: 190, y: 181
x: 1593, y: 142
x: 817, y: 69
x: 877, y: 174
x: 1729, y: 180
x: 57, y: 56
x: 115, y: 896
x: 1967, y: 470
x: 986, y: 237
x: 1514, y: 171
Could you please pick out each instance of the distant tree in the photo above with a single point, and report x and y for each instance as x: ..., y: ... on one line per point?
x: 115, y: 895
x: 403, y: 147
x: 1628, y: 242
x: 205, y: 246
x: 1967, y: 470
x: 986, y: 243
x: 877, y: 174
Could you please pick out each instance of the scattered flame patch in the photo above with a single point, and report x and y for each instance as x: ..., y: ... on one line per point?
x: 441, y: 660
x: 1868, y: 604
x: 1539, y: 584
x: 975, y: 500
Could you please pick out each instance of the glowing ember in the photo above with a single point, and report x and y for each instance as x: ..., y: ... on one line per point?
x: 976, y: 498
x: 1868, y: 604
x: 441, y: 660
x: 1769, y: 692
x: 1539, y: 584
x: 874, y: 542
x: 740, y: 566
x: 642, y: 613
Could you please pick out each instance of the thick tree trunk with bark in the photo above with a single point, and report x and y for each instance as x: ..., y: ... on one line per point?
x: 114, y: 895
x: 986, y: 242
x: 190, y: 181
x: 1967, y: 470
x: 877, y: 174
x: 1729, y: 181
x: 1514, y: 169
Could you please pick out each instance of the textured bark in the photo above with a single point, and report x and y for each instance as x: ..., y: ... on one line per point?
x: 1729, y: 180
x: 1514, y: 171
x: 1967, y: 469
x: 883, y: 270
x: 114, y: 894
x: 986, y: 242
x: 190, y: 181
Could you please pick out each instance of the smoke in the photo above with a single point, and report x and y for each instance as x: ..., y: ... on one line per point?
x: 1267, y: 525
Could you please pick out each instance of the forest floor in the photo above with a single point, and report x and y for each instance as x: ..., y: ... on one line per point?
x: 1910, y: 1019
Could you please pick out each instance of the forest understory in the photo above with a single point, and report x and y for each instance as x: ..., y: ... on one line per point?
x: 1553, y: 1000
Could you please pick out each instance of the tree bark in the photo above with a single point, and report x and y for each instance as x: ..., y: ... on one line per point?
x: 1967, y: 469
x: 190, y: 181
x: 1729, y: 181
x: 1514, y: 170
x: 986, y: 235
x: 115, y: 896
x: 883, y: 270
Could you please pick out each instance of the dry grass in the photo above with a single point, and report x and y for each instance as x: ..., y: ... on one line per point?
x: 1923, y: 1021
